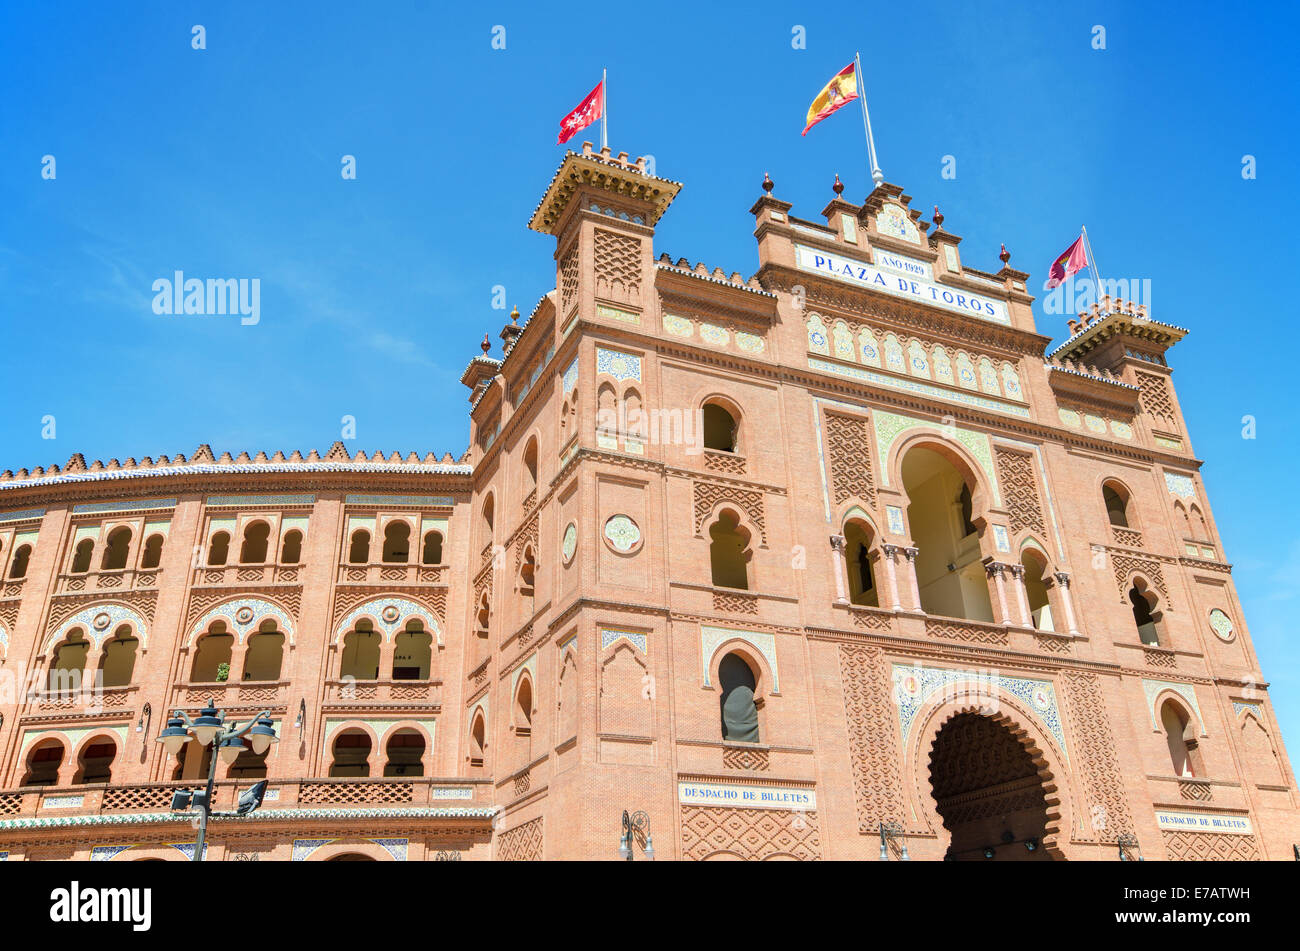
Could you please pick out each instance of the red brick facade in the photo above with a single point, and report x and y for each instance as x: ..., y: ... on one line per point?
x: 678, y: 481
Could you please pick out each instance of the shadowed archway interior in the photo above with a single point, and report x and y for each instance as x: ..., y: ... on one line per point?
x: 989, y: 792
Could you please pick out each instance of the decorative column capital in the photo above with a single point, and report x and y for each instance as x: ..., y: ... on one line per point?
x: 1062, y: 579
x: 911, y: 553
x: 890, y: 549
x: 994, y: 569
x: 1017, y: 571
x: 837, y: 542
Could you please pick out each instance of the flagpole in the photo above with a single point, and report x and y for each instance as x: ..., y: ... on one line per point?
x: 1092, y: 258
x: 604, y: 111
x: 877, y: 176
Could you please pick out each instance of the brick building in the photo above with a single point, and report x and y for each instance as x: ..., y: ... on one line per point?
x: 778, y: 561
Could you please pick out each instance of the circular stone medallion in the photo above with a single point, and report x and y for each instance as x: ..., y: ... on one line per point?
x: 244, y: 615
x: 1221, y: 625
x: 569, y: 544
x: 390, y: 613
x: 102, y: 621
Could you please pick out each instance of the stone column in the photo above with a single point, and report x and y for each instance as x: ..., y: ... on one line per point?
x: 1018, y: 582
x: 911, y: 577
x: 838, y: 566
x: 892, y: 573
x: 1063, y: 582
x: 994, y: 570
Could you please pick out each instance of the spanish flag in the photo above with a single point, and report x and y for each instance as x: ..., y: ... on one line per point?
x: 840, y: 91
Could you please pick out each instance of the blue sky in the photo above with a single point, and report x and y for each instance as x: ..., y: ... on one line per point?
x: 225, y: 162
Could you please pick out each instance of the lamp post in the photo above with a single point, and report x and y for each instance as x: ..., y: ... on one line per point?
x: 632, y: 824
x: 1128, y: 847
x: 888, y: 832
x: 210, y: 728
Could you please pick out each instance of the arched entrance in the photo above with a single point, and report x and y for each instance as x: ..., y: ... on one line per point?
x: 989, y: 791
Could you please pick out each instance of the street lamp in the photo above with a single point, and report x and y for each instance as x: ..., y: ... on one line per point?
x: 209, y: 728
x: 888, y: 832
x: 1128, y: 848
x: 632, y: 824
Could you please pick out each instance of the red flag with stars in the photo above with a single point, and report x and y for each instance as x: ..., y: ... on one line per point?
x: 588, y: 111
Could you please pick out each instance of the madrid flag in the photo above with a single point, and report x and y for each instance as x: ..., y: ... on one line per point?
x: 840, y: 91
x: 1074, y: 259
x: 588, y: 111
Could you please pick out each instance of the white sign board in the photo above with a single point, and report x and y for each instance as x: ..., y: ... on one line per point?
x: 746, y: 797
x: 984, y: 306
x: 1203, y: 822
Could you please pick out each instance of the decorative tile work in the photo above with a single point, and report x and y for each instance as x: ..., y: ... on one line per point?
x: 106, y: 853
x: 914, y: 686
x: 138, y: 504
x: 714, y: 335
x: 610, y: 636
x: 395, y: 847
x: 303, y: 848
x: 895, y: 516
x: 1221, y: 624
x: 1152, y: 687
x: 678, y: 326
x: 761, y: 641
x: 451, y: 792
x: 570, y: 378
x: 100, y: 621
x: 749, y: 343
x: 893, y: 220
x: 917, y: 386
x: 615, y: 313
x: 389, y: 615
x: 261, y: 815
x: 569, y: 544
x: 1245, y: 706
x: 63, y: 802
x: 1070, y: 418
x: 243, y: 616
x: 21, y: 515
x: 412, y: 501
x: 621, y: 366
x: 889, y: 426
x: 1169, y: 443
x: 243, y: 501
x: 1180, y: 485
x: 1001, y: 539
x: 622, y: 533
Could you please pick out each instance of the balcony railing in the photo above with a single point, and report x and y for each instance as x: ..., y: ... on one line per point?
x: 123, y: 579
x: 366, y: 792
x: 389, y: 572
x: 235, y: 693
x: 247, y: 574
x: 364, y: 692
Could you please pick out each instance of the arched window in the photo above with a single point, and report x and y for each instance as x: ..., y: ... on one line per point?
x: 728, y: 553
x: 43, y: 764
x: 18, y: 569
x: 950, y: 573
x: 81, y: 557
x: 432, y: 554
x: 1035, y: 577
x: 351, y: 754
x: 95, y: 764
x: 118, y: 663
x: 219, y: 549
x: 524, y: 707
x: 477, y: 740
x: 212, y: 653
x: 489, y: 509
x: 153, y: 546
x: 359, y: 549
x: 115, y: 552
x: 68, y: 663
x: 739, y: 710
x: 1116, y: 499
x: 360, y: 659
x: 484, y: 616
x: 412, y: 652
x: 528, y: 570
x: 530, y: 465
x: 1175, y: 721
x: 291, y: 548
x: 403, y: 754
x: 397, y: 541
x: 265, y: 654
x: 720, y: 429
x: 253, y: 551
x: 857, y: 556
x: 1144, y: 616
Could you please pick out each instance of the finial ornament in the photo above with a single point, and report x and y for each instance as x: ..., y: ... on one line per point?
x: 768, y: 184
x: 486, y: 344
x: 938, y: 217
x: 514, y: 316
x: 838, y: 187
x: 1005, y: 256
